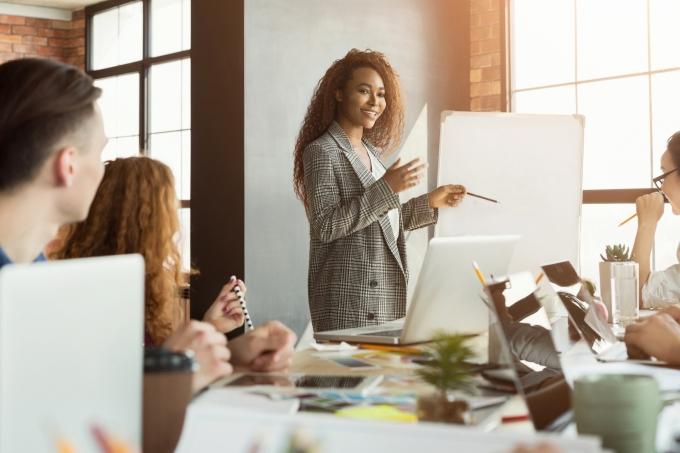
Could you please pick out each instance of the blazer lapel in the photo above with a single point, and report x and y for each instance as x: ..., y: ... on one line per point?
x: 366, y: 179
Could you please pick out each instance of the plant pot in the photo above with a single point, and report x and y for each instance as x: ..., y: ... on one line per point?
x: 436, y: 407
x: 606, y: 286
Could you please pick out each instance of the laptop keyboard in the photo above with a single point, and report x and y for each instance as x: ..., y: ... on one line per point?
x: 385, y: 333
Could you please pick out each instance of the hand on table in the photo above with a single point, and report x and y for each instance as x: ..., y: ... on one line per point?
x: 656, y: 336
x: 209, y: 348
x: 266, y: 348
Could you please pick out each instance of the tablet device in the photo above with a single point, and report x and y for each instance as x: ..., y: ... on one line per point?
x: 305, y: 382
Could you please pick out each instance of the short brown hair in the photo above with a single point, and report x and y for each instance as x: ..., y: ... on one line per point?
x: 673, y: 148
x: 41, y: 101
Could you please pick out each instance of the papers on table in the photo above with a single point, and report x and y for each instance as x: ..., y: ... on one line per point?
x: 211, y: 429
x: 580, y: 361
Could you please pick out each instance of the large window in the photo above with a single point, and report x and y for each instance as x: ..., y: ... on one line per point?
x: 139, y: 54
x: 617, y: 63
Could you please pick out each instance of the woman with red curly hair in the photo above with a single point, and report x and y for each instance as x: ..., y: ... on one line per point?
x: 357, y: 259
x: 135, y: 211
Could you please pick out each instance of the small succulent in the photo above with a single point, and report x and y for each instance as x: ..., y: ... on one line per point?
x: 449, y: 364
x: 618, y: 252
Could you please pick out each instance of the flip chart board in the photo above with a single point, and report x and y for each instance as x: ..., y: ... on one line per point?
x: 531, y: 164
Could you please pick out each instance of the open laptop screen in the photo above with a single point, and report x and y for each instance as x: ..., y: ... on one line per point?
x: 523, y: 338
x: 577, y: 301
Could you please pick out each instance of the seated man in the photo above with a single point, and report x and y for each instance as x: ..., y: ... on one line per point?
x: 51, y: 140
x: 656, y: 336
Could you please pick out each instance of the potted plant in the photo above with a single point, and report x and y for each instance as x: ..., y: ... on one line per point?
x: 612, y: 254
x: 446, y: 370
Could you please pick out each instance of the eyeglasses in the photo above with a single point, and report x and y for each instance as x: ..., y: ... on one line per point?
x: 658, y: 181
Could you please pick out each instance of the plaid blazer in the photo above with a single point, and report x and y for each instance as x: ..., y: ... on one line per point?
x: 357, y: 269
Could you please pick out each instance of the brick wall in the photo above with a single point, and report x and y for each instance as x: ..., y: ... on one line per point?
x: 31, y: 37
x: 486, y: 70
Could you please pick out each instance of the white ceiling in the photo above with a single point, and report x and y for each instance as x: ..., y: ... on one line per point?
x: 70, y: 5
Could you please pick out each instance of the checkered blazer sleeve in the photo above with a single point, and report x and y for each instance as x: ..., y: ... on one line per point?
x: 331, y: 218
x: 417, y: 213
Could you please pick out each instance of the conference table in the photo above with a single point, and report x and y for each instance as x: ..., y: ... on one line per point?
x: 225, y: 417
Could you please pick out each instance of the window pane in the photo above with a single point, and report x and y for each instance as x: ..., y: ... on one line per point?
x: 612, y: 37
x: 185, y: 237
x: 172, y: 148
x: 546, y: 100
x: 664, y: 33
x: 616, y: 148
x: 119, y: 104
x: 550, y: 59
x: 170, y: 26
x: 121, y: 147
x: 599, y: 229
x: 117, y: 36
x: 169, y: 96
x: 665, y: 111
x: 666, y: 240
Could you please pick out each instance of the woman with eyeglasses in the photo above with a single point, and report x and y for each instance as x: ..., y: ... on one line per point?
x: 661, y: 288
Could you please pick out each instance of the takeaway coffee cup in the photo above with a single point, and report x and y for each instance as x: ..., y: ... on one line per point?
x: 167, y: 392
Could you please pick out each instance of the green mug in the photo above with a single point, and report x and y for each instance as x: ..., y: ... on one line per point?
x: 621, y: 409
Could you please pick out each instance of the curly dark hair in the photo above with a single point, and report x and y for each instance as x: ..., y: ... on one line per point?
x: 388, y: 129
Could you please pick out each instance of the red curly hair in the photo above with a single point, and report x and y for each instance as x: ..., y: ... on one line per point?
x: 135, y: 211
x: 388, y: 129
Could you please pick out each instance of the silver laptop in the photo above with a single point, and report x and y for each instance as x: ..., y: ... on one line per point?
x: 446, y: 295
x: 71, y: 352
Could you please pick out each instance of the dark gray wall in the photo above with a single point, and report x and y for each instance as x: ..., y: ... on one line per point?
x: 288, y: 46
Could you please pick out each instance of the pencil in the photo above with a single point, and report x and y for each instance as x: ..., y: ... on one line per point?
x: 479, y: 274
x: 628, y: 220
x: 539, y: 278
x: 482, y: 197
x: 397, y: 349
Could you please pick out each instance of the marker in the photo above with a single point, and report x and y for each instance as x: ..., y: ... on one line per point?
x: 628, y: 219
x: 479, y: 274
x: 242, y: 301
x: 482, y: 197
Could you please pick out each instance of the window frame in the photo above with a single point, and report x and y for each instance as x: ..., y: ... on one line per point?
x: 141, y: 67
x: 590, y: 196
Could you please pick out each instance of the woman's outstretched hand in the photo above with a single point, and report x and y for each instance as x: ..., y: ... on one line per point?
x: 402, y: 177
x: 448, y: 196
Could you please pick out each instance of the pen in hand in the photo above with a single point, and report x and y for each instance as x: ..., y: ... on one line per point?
x: 482, y: 197
x: 242, y: 301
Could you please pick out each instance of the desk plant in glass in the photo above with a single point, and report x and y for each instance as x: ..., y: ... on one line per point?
x: 447, y: 370
x: 613, y: 254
